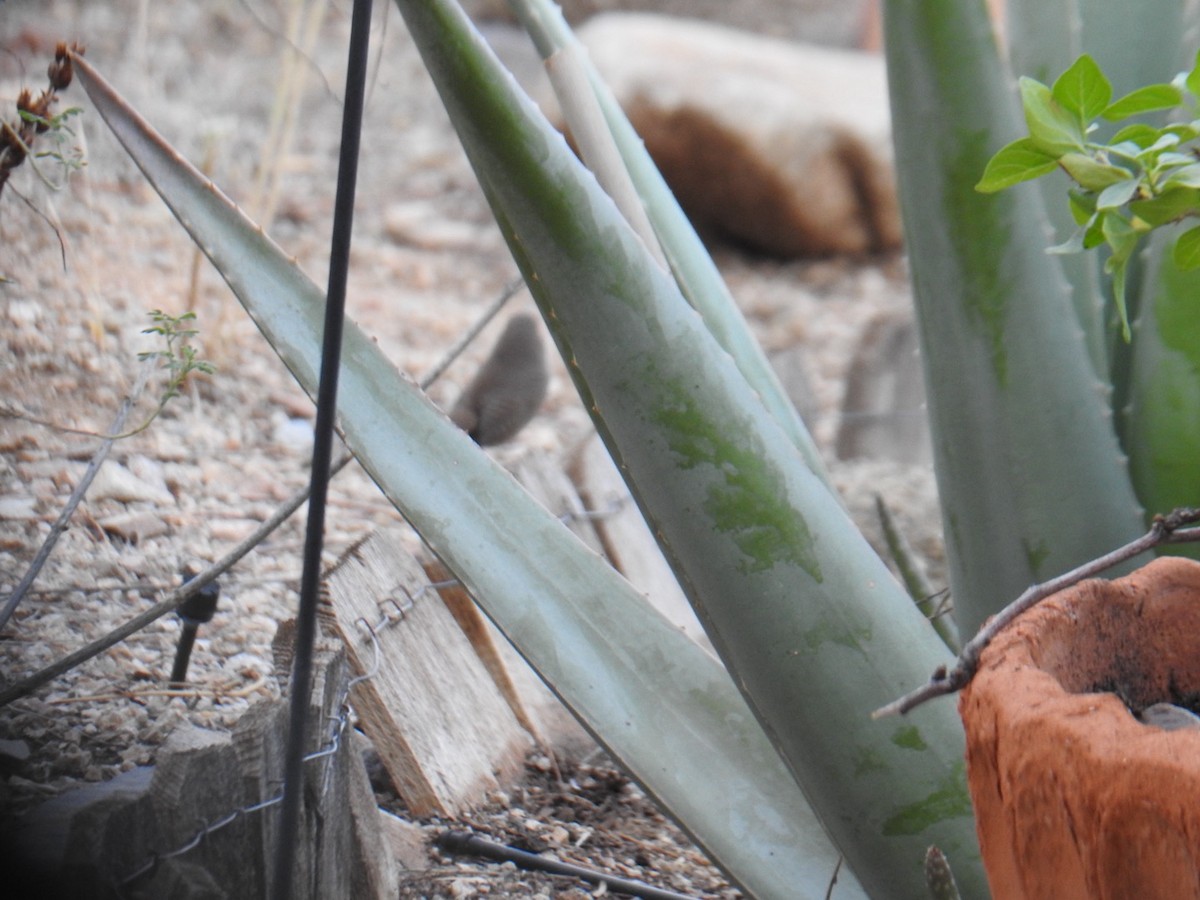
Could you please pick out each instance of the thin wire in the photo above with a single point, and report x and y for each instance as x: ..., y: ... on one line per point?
x: 335, y: 305
x: 473, y: 332
x: 596, y: 515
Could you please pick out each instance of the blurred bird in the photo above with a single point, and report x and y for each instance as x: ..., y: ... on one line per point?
x: 508, y: 388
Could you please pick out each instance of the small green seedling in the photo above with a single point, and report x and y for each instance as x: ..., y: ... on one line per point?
x: 66, y: 152
x: 178, y: 357
x: 1141, y: 179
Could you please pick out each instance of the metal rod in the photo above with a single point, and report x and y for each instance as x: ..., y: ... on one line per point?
x: 335, y: 303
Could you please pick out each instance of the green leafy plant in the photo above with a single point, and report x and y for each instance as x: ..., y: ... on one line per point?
x: 36, y: 118
x: 1140, y: 179
x: 178, y: 358
x: 177, y: 355
x: 771, y: 762
x: 65, y: 151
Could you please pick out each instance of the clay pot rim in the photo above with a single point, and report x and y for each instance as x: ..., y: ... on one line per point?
x: 1014, y: 668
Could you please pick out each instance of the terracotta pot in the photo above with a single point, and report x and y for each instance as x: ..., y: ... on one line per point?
x: 1074, y: 797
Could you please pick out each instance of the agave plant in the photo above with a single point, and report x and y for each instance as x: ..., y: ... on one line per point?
x: 770, y: 761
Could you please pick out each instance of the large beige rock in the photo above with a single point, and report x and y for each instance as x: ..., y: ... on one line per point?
x: 783, y: 147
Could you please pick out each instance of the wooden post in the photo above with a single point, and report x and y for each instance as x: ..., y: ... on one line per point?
x: 194, y: 810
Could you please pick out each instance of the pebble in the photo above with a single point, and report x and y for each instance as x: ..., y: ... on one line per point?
x: 17, y: 507
x: 135, y: 526
x: 115, y: 482
x: 12, y: 751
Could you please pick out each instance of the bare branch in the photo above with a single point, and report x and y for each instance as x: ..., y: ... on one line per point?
x: 1167, y: 529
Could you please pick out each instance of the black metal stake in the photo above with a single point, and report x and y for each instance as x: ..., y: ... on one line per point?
x: 335, y: 304
x: 195, y: 611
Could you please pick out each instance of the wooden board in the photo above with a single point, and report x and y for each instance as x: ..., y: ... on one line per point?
x: 536, y: 707
x: 442, y: 728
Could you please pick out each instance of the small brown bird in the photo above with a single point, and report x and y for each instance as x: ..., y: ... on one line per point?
x: 508, y: 388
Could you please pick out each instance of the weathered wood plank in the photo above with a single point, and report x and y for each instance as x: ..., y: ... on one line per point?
x: 535, y: 706
x: 442, y: 728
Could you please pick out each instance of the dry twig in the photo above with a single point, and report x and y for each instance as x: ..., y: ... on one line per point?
x: 1166, y: 529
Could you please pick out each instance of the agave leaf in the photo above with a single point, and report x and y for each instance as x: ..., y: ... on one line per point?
x: 690, y: 262
x: 1164, y: 427
x: 660, y: 704
x: 1031, y: 478
x: 1044, y: 38
x: 812, y: 626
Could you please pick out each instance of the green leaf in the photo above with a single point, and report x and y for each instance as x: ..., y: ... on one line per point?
x: 1119, y: 270
x: 1166, y: 140
x: 1093, y: 236
x: 1091, y: 174
x: 1053, y: 129
x: 1172, y: 159
x: 1120, y: 236
x: 1169, y: 206
x: 1184, y: 176
x: 1187, y: 250
x: 1019, y: 161
x: 1118, y: 194
x: 1082, y: 205
x: 1185, y: 131
x: 1073, y: 244
x: 1193, y: 77
x: 1145, y: 99
x: 1122, y: 240
x: 1083, y: 90
x: 1138, y: 133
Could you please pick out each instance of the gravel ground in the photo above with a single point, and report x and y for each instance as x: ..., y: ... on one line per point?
x: 84, y: 266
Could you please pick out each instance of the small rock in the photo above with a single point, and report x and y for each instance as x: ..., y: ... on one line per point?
x: 17, y: 507
x: 23, y: 312
x: 231, y: 530
x: 421, y: 225
x: 509, y: 387
x: 1169, y: 717
x: 291, y: 432
x: 13, y: 753
x: 115, y: 482
x: 135, y: 527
